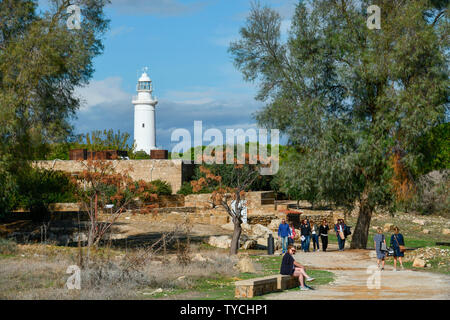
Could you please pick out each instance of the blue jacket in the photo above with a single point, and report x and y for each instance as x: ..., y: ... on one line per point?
x: 284, y: 230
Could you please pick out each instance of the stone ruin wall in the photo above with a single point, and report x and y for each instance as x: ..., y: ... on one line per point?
x: 172, y: 171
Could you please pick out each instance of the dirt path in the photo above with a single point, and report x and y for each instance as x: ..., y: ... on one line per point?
x: 351, y: 270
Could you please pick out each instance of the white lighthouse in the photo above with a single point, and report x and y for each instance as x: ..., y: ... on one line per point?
x: 144, y: 115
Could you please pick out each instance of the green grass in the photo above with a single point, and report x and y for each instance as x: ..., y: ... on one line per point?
x: 434, y: 265
x: 414, y: 238
x: 223, y: 288
x: 411, y: 241
x: 271, y: 265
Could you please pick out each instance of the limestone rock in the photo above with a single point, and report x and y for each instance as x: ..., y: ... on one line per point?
x: 228, y: 226
x: 274, y: 224
x: 388, y: 227
x: 419, y: 263
x: 223, y: 242
x: 246, y: 265
x: 426, y: 231
x: 198, y: 257
x: 262, y: 242
x: 277, y: 244
x: 79, y: 236
x: 159, y: 290
x: 249, y: 244
x: 297, y: 234
x: 115, y: 236
x: 446, y: 231
x: 261, y: 231
x: 419, y: 221
x: 246, y: 227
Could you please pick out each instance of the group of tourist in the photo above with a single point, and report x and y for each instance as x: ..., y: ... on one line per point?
x: 310, y: 231
x: 291, y: 267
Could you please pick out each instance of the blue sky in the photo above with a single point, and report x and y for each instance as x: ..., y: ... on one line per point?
x: 184, y: 44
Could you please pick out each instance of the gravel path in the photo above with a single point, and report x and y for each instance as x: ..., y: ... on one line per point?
x: 351, y: 270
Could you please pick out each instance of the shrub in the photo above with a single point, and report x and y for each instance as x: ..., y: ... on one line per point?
x: 186, y: 189
x: 139, y: 155
x: 37, y: 188
x: 7, y: 246
x: 432, y: 196
x: 162, y: 187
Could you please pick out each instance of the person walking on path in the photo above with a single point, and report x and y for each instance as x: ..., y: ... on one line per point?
x: 315, y: 236
x: 398, y: 244
x: 291, y: 267
x: 323, y: 231
x: 340, y: 228
x: 283, y: 233
x: 305, y: 231
x: 293, y: 234
x: 380, y: 247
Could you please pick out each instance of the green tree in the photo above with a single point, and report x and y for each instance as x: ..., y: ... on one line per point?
x: 41, y: 63
x: 108, y: 140
x: 435, y: 149
x: 353, y: 97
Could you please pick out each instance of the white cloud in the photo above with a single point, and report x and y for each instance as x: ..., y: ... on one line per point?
x: 121, y: 30
x: 157, y: 7
x: 104, y: 91
x: 108, y: 106
x: 212, y: 96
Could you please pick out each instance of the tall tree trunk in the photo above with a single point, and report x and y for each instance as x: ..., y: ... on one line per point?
x: 236, y: 236
x: 361, y: 233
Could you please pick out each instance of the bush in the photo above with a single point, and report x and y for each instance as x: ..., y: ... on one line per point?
x: 37, y: 188
x: 7, y: 246
x: 162, y: 187
x: 139, y: 155
x: 432, y: 196
x: 186, y: 189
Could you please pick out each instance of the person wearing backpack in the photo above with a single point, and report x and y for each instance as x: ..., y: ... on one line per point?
x: 340, y: 228
x: 380, y: 247
x: 398, y: 244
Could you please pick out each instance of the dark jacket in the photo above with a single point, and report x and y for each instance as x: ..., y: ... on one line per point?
x: 323, y: 229
x: 287, y: 264
x: 305, y: 230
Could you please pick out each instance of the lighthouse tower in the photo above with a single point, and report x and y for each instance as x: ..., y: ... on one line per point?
x: 144, y: 115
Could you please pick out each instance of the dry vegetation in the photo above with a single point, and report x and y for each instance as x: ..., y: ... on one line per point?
x: 39, y: 272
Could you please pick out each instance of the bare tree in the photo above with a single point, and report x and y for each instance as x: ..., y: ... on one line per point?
x: 100, y: 186
x: 230, y: 196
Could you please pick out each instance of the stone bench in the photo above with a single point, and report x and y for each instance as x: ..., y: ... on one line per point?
x: 258, y: 286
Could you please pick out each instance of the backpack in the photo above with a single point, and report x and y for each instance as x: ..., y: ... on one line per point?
x: 347, y: 231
